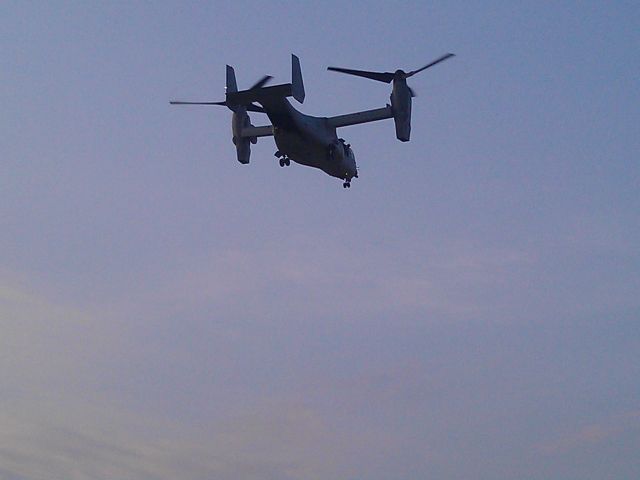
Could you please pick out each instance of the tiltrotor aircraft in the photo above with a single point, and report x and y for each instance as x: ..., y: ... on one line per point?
x: 308, y: 140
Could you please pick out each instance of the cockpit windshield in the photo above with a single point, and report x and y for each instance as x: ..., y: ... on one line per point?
x: 346, y: 147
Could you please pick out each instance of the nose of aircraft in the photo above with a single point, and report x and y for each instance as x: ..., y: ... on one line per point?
x: 351, y: 162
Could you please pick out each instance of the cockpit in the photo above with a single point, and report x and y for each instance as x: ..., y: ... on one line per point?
x: 348, y: 153
x: 349, y: 161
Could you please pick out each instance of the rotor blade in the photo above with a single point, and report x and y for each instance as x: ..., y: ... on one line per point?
x: 252, y: 107
x: 260, y: 83
x: 385, y: 77
x: 441, y: 59
x: 175, y: 102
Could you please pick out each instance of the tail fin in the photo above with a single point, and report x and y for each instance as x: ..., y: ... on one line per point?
x: 231, y: 80
x: 259, y: 93
x: 297, y: 89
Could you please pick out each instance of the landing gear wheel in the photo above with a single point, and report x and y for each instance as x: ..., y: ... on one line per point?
x: 346, y: 185
x: 282, y: 162
x: 287, y: 162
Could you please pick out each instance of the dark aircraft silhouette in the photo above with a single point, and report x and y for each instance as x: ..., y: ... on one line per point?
x: 308, y: 140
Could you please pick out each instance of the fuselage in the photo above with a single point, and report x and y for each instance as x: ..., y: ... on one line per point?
x: 309, y: 141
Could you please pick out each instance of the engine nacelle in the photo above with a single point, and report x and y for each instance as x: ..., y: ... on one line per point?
x: 239, y: 121
x: 401, y: 106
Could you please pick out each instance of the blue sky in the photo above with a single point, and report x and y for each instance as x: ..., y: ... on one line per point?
x: 469, y: 308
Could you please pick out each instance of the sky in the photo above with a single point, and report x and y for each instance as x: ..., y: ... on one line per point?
x: 469, y: 308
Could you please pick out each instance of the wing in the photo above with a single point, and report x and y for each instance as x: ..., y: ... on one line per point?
x: 282, y: 116
x: 360, y: 117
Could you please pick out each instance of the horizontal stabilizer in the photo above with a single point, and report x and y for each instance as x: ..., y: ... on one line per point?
x: 259, y: 95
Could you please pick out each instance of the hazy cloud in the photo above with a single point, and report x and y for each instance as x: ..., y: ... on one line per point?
x: 68, y: 439
x: 594, y: 434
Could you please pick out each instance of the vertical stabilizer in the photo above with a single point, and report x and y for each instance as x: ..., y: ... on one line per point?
x: 231, y: 80
x: 297, y: 88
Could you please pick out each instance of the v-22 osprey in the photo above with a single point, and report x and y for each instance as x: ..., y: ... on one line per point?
x: 304, y: 139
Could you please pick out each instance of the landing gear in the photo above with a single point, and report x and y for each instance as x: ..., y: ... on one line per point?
x: 346, y: 184
x: 284, y: 160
